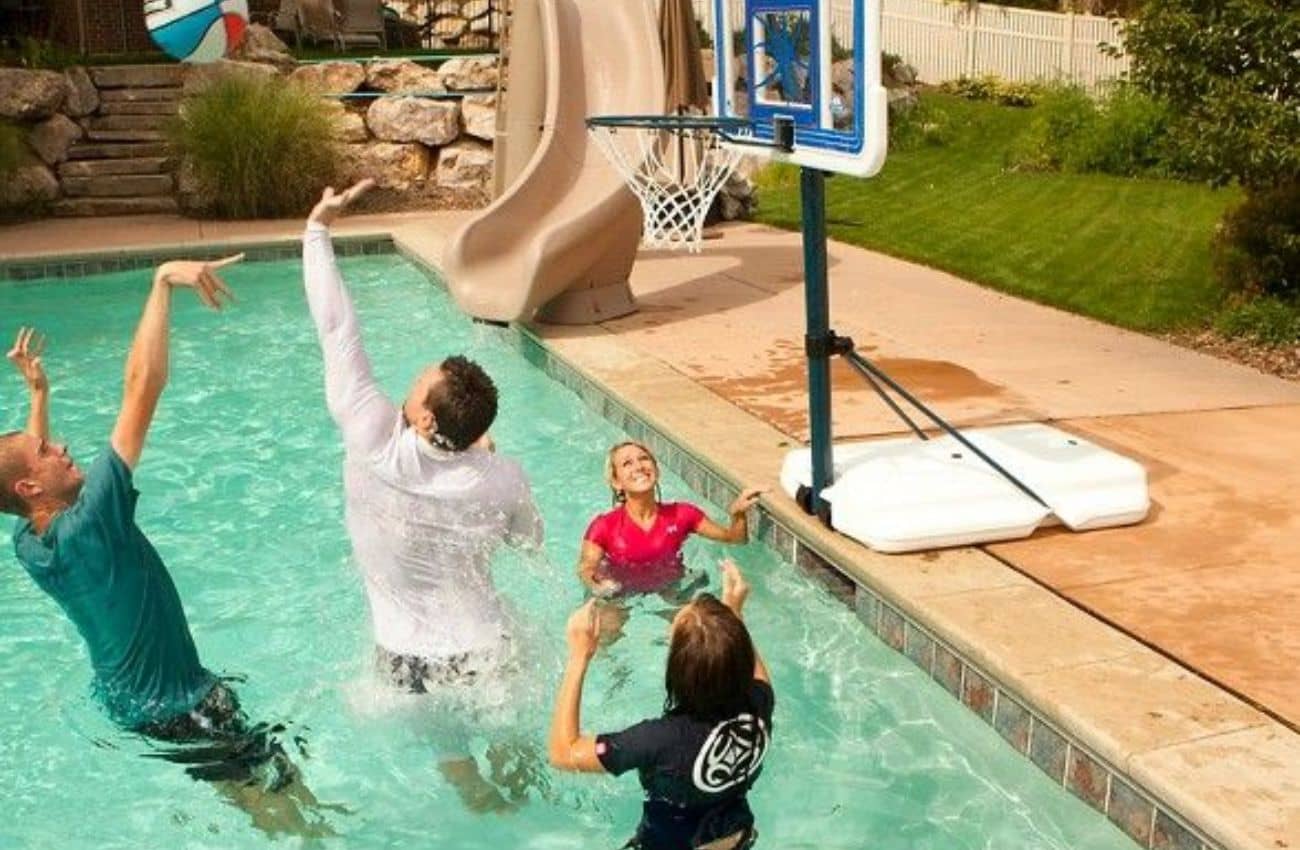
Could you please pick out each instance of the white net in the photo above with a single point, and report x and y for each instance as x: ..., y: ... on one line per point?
x: 674, y: 171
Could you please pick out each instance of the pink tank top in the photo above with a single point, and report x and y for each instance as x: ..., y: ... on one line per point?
x: 643, y: 561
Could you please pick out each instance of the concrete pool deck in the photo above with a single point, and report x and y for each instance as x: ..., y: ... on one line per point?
x: 1169, y: 648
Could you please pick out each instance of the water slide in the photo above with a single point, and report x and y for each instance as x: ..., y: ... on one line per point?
x: 558, y: 242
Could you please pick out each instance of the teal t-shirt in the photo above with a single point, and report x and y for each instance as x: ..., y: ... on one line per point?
x: 97, y: 564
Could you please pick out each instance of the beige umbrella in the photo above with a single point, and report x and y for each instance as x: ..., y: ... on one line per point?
x: 679, y: 37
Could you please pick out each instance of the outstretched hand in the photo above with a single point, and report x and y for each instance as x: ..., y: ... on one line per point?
x: 26, y: 357
x: 735, y: 590
x: 201, y: 277
x: 332, y: 204
x: 583, y: 630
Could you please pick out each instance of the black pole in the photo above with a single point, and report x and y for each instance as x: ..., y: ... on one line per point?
x: 812, y: 185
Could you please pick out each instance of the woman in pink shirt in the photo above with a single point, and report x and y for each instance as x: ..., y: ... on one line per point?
x: 637, y: 547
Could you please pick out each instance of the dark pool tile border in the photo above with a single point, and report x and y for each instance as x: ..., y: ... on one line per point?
x: 84, y: 264
x: 1136, y: 812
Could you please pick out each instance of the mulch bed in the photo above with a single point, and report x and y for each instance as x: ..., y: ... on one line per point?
x: 1280, y: 361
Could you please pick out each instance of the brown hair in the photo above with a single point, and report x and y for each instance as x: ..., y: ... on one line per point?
x: 617, y: 495
x: 710, y: 662
x: 464, y: 402
x: 12, y: 468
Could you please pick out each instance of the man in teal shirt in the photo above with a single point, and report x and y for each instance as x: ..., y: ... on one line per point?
x: 78, y: 539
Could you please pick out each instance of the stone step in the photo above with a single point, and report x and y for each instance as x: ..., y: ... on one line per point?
x: 170, y: 94
x: 81, y: 150
x: 137, y: 76
x: 105, y: 167
x: 118, y: 185
x: 127, y: 122
x: 113, y: 206
x: 125, y: 135
x: 140, y: 107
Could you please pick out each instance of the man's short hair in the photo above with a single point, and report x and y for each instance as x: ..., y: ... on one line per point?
x: 12, y: 468
x: 464, y: 402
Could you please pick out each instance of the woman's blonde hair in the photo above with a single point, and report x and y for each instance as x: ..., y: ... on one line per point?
x: 618, y: 495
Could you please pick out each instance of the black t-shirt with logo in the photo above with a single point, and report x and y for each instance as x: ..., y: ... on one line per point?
x: 695, y: 772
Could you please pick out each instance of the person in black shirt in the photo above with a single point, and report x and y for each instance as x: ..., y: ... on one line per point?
x: 698, y: 761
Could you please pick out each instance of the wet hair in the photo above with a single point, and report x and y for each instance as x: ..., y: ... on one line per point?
x: 710, y: 662
x: 12, y: 468
x: 464, y: 403
x: 617, y: 495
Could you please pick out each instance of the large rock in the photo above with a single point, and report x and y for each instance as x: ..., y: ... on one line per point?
x: 83, y: 97
x: 28, y: 184
x: 31, y: 95
x: 391, y: 166
x: 472, y: 9
x: 262, y: 45
x: 331, y: 77
x: 203, y: 75
x: 399, y: 76
x: 413, y: 119
x: 478, y: 115
x: 51, y: 138
x: 349, y: 126
x: 450, y: 28
x: 470, y: 72
x: 464, y: 164
x: 169, y: 75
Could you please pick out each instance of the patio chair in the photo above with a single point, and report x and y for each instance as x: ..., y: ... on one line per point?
x: 363, y: 21
x: 317, y: 20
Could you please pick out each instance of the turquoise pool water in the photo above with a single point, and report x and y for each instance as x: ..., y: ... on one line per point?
x: 242, y: 496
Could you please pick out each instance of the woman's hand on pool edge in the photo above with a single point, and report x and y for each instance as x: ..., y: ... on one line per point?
x: 332, y: 203
x: 746, y: 500
x: 583, y: 630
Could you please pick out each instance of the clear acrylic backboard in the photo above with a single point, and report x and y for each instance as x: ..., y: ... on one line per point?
x: 813, y: 62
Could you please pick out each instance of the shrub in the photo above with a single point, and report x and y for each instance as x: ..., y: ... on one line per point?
x: 922, y: 125
x: 994, y: 89
x: 1129, y: 137
x: 257, y: 147
x: 1127, y: 134
x: 1063, y: 115
x: 1257, y: 248
x: 1267, y: 320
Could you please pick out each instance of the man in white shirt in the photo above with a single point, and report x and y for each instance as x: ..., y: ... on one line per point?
x: 428, y: 500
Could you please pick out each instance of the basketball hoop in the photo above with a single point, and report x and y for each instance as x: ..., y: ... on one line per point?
x: 674, y: 165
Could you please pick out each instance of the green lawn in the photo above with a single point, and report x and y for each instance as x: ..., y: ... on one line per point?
x: 1133, y: 252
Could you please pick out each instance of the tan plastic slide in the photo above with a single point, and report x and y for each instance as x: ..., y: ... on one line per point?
x: 559, y: 241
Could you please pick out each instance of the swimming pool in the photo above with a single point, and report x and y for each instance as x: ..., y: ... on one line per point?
x: 241, y: 495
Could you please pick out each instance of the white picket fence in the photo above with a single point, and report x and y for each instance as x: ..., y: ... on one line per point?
x: 945, y: 40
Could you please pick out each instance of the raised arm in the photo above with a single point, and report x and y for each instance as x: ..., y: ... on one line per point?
x: 26, y: 357
x: 735, y: 590
x: 359, y: 408
x: 567, y: 747
x: 147, y: 362
x: 737, y: 531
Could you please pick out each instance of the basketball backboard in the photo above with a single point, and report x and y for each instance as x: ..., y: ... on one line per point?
x: 814, y: 62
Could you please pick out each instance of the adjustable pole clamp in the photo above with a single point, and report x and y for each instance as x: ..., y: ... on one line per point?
x: 826, y: 345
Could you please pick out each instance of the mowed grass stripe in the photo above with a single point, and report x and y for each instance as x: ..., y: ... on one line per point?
x: 1132, y: 252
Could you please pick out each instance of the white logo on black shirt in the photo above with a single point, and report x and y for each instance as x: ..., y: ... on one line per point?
x: 731, y: 754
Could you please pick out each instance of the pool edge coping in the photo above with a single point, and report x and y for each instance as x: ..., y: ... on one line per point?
x: 1072, y: 747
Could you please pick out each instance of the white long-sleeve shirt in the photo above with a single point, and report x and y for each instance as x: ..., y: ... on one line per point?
x: 424, y: 522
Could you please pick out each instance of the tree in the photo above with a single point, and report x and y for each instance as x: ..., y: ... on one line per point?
x: 1231, y: 71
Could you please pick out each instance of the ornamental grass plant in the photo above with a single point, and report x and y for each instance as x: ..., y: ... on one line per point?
x: 256, y: 147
